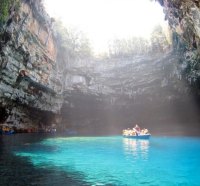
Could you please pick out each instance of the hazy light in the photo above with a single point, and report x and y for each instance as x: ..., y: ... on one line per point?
x: 104, y: 20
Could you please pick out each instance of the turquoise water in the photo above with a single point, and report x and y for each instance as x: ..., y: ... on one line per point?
x: 118, y: 161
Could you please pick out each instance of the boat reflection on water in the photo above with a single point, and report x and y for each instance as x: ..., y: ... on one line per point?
x: 136, y: 148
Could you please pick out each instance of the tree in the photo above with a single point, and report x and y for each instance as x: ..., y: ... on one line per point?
x: 159, y: 41
x: 72, y: 44
x: 128, y: 47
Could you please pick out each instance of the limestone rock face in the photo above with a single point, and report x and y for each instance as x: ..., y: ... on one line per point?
x: 29, y: 85
x: 184, y: 19
x: 163, y: 88
x: 98, y: 95
x: 107, y: 95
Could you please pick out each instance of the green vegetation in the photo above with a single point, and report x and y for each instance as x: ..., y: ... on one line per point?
x: 4, y: 10
x: 5, y: 7
x: 159, y: 40
x: 130, y: 47
x: 72, y: 44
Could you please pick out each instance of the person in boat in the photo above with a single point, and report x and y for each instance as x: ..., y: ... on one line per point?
x: 137, y: 129
x: 133, y: 133
x: 146, y: 131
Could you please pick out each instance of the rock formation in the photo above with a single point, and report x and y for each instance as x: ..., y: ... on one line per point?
x: 102, y: 96
x: 121, y: 92
x: 184, y: 20
x: 28, y: 83
x: 163, y: 88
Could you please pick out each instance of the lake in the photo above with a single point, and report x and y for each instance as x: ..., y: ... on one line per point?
x: 38, y: 159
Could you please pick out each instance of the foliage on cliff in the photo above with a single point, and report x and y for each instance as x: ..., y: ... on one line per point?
x: 72, y: 44
x: 130, y: 47
x: 6, y: 7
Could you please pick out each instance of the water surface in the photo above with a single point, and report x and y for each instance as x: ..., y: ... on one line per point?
x: 109, y: 161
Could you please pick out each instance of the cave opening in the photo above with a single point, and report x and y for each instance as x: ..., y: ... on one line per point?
x: 74, y: 91
x: 107, y: 64
x: 143, y: 75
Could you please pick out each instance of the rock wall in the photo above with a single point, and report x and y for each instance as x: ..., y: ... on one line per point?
x: 113, y: 94
x: 98, y: 95
x: 184, y: 19
x: 161, y: 91
x: 29, y: 87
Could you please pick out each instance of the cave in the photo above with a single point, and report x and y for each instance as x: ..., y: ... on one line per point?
x: 152, y: 82
x: 114, y: 101
x: 158, y: 89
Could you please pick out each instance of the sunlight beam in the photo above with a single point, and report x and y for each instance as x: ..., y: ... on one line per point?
x: 104, y: 20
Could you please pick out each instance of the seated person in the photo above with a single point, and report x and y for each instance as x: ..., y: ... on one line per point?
x: 137, y: 128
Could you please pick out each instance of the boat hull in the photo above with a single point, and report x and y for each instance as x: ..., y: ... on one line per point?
x: 6, y: 132
x: 146, y: 136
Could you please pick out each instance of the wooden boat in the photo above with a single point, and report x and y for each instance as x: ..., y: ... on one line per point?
x: 139, y: 136
x: 6, y: 130
x: 136, y: 133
